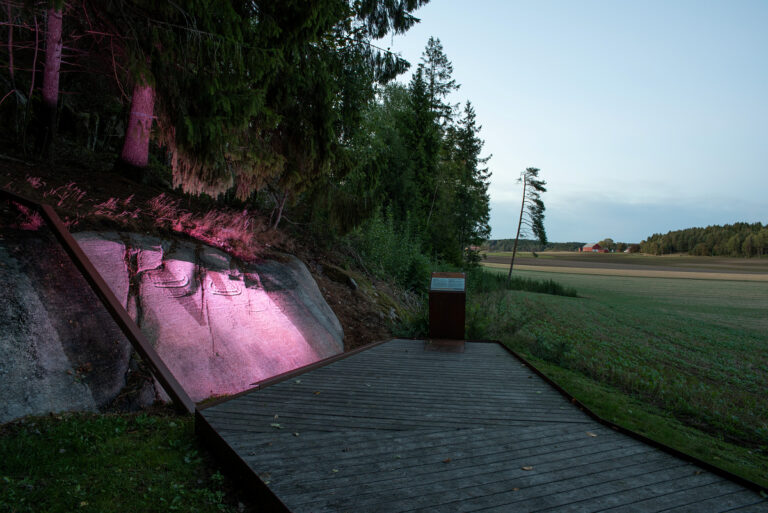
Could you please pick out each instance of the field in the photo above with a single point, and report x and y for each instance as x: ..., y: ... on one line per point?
x: 637, y: 264
x: 681, y: 360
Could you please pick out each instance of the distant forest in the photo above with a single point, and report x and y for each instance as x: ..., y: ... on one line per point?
x: 738, y: 240
x: 532, y: 245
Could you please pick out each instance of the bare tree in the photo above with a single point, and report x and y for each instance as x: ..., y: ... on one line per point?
x: 531, y: 220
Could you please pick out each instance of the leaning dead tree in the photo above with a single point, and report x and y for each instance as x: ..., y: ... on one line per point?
x: 531, y: 220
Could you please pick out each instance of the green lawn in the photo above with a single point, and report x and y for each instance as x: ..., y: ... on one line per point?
x: 107, y: 463
x: 693, y: 352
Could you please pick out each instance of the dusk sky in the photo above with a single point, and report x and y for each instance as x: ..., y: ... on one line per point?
x: 643, y: 117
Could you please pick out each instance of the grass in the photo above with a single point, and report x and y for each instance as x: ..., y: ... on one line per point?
x: 686, y: 352
x: 479, y: 281
x: 117, y: 463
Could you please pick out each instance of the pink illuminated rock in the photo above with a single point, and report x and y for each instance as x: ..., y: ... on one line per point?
x: 107, y: 253
x: 220, y: 326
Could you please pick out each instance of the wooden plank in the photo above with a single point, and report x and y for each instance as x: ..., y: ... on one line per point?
x: 727, y: 502
x: 371, y: 418
x: 464, y: 369
x: 414, y: 397
x: 614, y: 489
x: 417, y: 391
x: 463, y: 486
x: 399, y: 402
x: 465, y: 499
x: 432, y: 369
x: 404, y: 397
x: 426, y: 451
x: 413, y: 381
x: 453, y: 415
x: 711, y: 497
x: 393, y: 474
x: 301, y: 451
x: 318, y: 442
x: 366, y: 415
x: 757, y: 507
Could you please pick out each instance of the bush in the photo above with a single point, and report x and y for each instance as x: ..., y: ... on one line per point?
x: 392, y: 253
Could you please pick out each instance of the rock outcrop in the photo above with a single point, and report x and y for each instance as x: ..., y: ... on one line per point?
x: 59, y: 349
x: 219, y: 325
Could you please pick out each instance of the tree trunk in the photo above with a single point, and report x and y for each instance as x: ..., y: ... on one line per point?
x: 135, y: 155
x: 432, y: 206
x: 52, y: 58
x: 517, y: 237
x: 51, y: 76
x: 279, y: 205
x: 10, y: 47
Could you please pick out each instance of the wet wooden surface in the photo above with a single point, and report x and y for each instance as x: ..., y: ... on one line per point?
x: 397, y: 428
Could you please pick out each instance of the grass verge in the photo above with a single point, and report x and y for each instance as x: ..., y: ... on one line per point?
x: 481, y: 281
x: 117, y: 463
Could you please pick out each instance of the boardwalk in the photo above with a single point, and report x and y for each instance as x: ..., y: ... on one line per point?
x: 399, y: 428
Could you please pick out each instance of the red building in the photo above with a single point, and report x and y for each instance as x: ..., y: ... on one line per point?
x: 593, y: 248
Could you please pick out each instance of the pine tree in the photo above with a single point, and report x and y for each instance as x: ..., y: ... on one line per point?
x: 532, y: 208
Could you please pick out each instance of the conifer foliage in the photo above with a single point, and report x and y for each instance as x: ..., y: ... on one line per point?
x: 419, y: 162
x: 284, y: 104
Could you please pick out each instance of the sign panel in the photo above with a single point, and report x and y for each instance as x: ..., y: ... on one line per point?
x: 448, y: 284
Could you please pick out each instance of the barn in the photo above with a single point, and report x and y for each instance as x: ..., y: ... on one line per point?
x: 593, y: 248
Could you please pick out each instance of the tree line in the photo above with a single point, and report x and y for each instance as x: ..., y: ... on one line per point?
x: 528, y: 245
x: 279, y: 105
x: 738, y: 240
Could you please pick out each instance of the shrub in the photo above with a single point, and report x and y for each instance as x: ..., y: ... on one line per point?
x: 391, y: 253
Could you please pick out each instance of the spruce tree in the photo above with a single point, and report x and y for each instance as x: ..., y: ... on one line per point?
x: 425, y: 143
x: 438, y: 75
x: 472, y: 208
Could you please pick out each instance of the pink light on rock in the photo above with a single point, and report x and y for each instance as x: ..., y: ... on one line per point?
x: 217, y: 335
x: 218, y: 327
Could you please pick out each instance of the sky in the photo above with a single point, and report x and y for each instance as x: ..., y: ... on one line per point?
x: 643, y: 117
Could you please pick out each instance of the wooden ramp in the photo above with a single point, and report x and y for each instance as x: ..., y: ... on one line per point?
x: 402, y: 427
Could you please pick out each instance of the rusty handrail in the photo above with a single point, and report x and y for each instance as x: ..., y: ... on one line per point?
x: 129, y: 328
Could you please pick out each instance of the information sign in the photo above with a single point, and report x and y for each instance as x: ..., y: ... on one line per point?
x: 448, y: 284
